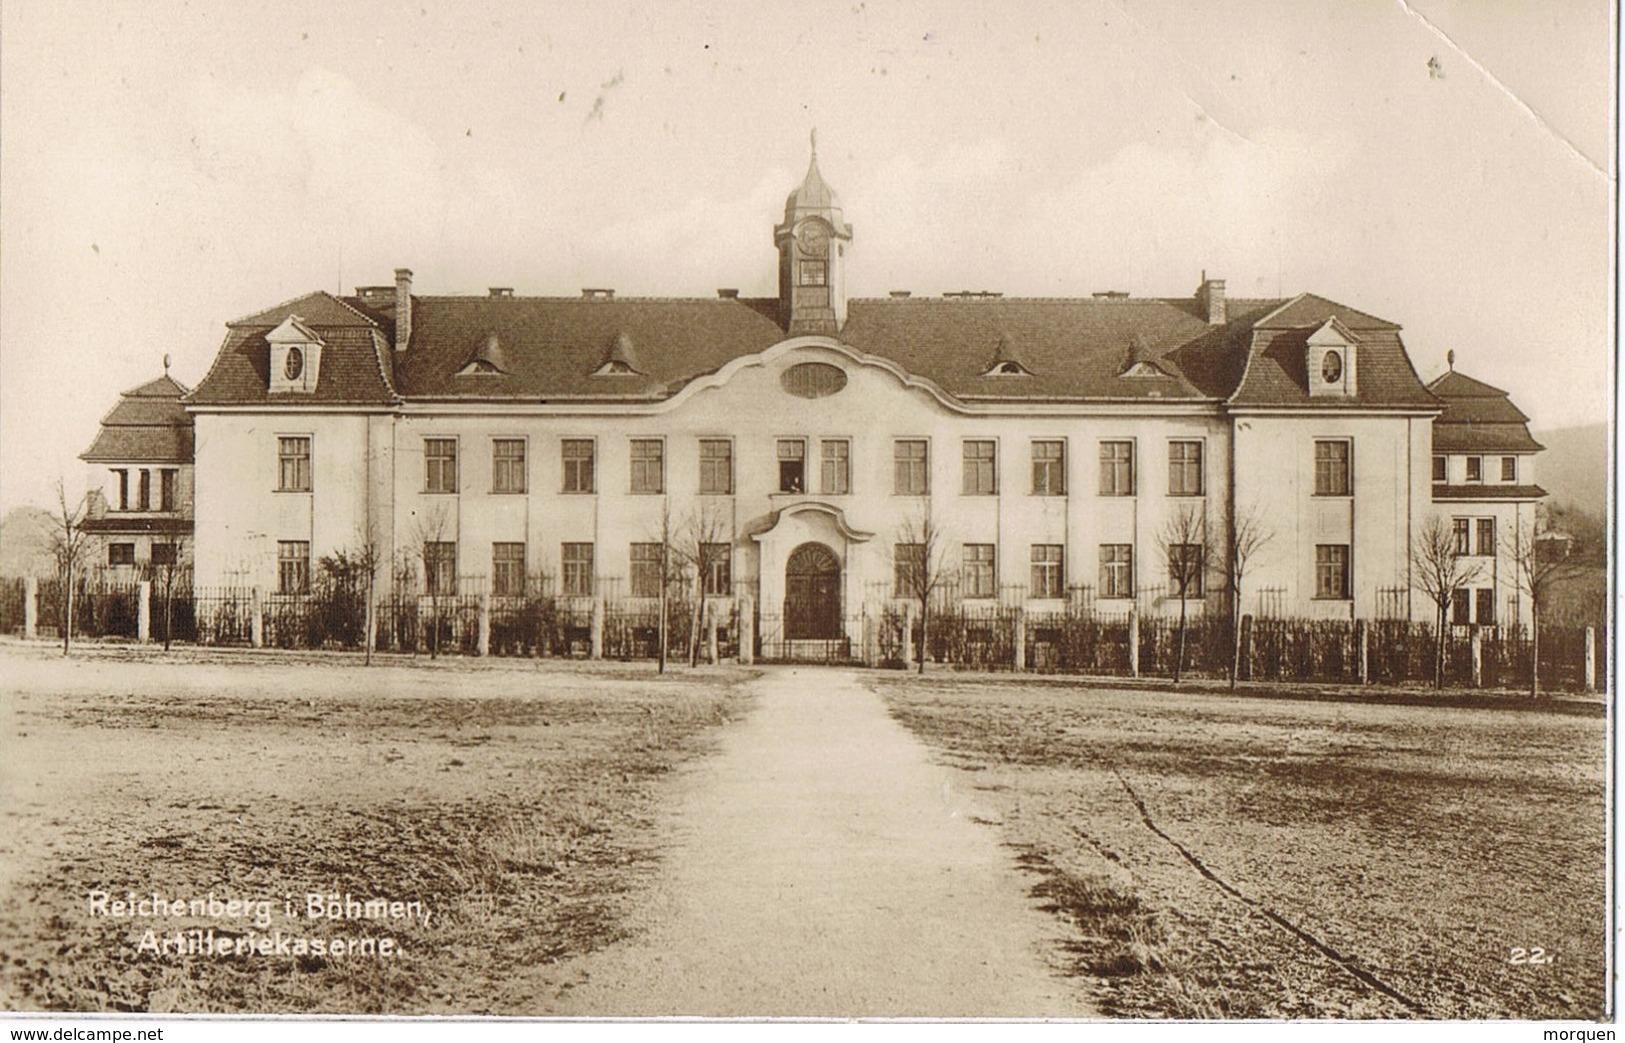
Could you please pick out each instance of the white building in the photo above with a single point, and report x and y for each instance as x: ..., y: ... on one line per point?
x: 1049, y: 441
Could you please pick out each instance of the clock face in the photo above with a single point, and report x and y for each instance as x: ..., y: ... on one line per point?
x: 814, y: 238
x: 294, y: 365
x: 1331, y: 369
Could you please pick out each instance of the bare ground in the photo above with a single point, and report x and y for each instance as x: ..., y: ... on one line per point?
x: 821, y: 866
x: 1223, y: 857
x: 518, y: 802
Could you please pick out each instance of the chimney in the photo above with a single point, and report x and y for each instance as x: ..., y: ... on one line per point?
x: 597, y: 293
x: 901, y: 295
x: 501, y: 291
x: 1210, y: 299
x: 728, y: 294
x: 403, y: 308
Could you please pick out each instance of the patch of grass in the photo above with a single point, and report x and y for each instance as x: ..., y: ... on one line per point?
x: 519, y: 806
x: 1422, y: 843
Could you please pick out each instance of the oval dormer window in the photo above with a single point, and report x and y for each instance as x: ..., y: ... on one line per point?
x: 1331, y: 369
x: 294, y: 364
x: 813, y: 379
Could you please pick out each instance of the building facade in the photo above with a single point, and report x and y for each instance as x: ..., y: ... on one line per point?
x: 138, y: 507
x: 1040, y: 452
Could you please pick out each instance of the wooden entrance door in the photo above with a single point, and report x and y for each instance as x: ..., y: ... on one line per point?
x: 812, y: 594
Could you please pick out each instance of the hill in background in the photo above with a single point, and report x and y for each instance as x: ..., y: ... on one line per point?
x: 25, y: 543
x: 1574, y: 467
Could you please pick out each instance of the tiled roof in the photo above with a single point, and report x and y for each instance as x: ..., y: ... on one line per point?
x: 554, y: 345
x: 1277, y: 371
x: 1478, y: 418
x: 148, y: 425
x: 355, y: 365
x: 1488, y: 492
x: 1483, y: 438
x: 1075, y: 348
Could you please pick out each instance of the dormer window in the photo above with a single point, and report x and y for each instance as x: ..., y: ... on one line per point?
x: 619, y: 360
x: 1330, y: 355
x: 296, y: 357
x: 1007, y: 361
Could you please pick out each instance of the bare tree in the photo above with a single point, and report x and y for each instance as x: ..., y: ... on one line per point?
x: 429, y: 529
x: 1245, y: 534
x: 351, y: 575
x: 169, y: 576
x: 668, y: 569
x: 1441, y: 566
x: 1538, y: 571
x: 1185, y: 543
x: 702, y: 546
x: 69, y: 547
x: 919, y: 569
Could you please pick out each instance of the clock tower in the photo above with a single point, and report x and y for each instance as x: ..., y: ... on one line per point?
x: 812, y: 244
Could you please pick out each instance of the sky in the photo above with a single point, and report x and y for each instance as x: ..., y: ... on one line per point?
x: 167, y: 167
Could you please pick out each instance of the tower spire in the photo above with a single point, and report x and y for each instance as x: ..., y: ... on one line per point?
x: 814, y: 138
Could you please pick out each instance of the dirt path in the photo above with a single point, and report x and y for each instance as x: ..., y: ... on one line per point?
x: 822, y: 866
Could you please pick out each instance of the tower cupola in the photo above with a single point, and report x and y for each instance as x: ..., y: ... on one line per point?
x: 812, y: 244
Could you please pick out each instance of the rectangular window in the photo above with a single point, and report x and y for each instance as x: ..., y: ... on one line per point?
x: 123, y: 490
x: 1117, y: 468
x: 716, y: 566
x: 508, y: 570
x: 981, y: 578
x: 1332, y: 571
x: 578, y: 465
x: 508, y: 465
x: 164, y: 554
x: 1509, y: 468
x: 835, y: 467
x: 909, y: 456
x: 647, y: 559
x: 908, y: 569
x: 1049, y: 468
x: 1475, y: 468
x: 1184, y: 468
x: 813, y: 273
x: 792, y: 465
x: 1461, y: 535
x: 1048, y: 571
x: 1441, y: 468
x: 577, y: 561
x: 1116, y: 570
x: 440, y: 567
x: 145, y: 501
x: 648, y: 465
x: 716, y: 467
x: 1332, y: 468
x: 121, y: 554
x: 1485, y: 597
x: 1460, y: 606
x: 981, y: 467
x: 1486, y: 536
x: 440, y: 465
x: 293, y: 567
x: 168, y: 495
x: 1186, y: 569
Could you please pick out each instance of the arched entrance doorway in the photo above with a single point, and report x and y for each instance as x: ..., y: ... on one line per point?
x: 812, y: 594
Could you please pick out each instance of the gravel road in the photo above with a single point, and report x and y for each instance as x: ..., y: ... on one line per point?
x: 822, y: 866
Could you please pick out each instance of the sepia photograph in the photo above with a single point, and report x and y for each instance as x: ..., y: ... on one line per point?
x: 559, y: 515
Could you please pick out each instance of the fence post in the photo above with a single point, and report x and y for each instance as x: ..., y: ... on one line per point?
x: 1591, y: 659
x: 1362, y: 651
x: 1475, y: 645
x: 1020, y: 640
x: 595, y: 630
x: 31, y: 608
x: 483, y: 642
x: 1246, y: 670
x: 908, y: 634
x: 711, y: 651
x: 1134, y: 641
x: 256, y: 621
x: 143, y: 612
x: 747, y: 632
